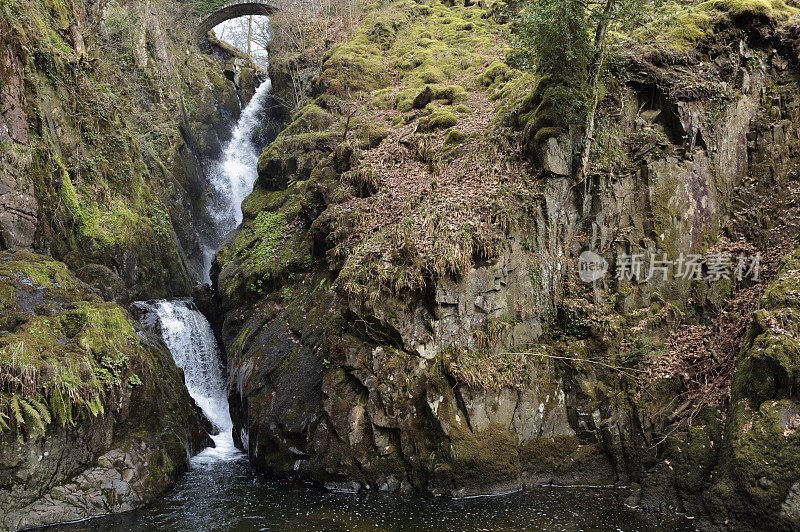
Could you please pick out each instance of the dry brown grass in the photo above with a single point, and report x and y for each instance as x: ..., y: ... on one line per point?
x: 436, y: 208
x: 704, y: 356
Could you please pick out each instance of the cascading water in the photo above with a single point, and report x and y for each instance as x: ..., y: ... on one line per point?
x: 183, y: 328
x: 191, y: 341
x: 231, y: 178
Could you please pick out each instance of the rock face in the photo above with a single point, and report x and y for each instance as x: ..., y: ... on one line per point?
x: 18, y: 206
x: 106, y: 123
x: 84, y: 175
x: 508, y: 371
x: 94, y: 416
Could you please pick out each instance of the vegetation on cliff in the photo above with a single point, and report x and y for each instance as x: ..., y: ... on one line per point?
x: 109, y: 128
x: 403, y: 306
x: 432, y: 163
x: 65, y: 353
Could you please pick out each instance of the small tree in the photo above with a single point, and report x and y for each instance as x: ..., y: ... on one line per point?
x: 566, y: 41
x: 552, y: 36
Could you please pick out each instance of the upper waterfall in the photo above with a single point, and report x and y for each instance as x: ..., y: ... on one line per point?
x: 231, y: 177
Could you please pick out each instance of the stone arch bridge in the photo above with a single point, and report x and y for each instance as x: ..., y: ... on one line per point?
x: 213, y: 13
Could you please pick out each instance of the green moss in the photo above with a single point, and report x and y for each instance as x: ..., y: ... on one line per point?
x: 486, y: 458
x: 760, y: 463
x: 67, y: 354
x: 267, y: 249
x: 371, y: 135
x: 88, y: 216
x: 493, y: 74
x: 771, y: 9
x: 541, y: 113
x: 425, y: 74
x: 784, y: 291
x: 291, y: 158
x: 438, y: 119
x: 413, y: 98
x: 454, y: 137
x: 759, y: 466
x: 354, y: 68
x: 690, y: 28
x: 769, y: 362
x: 450, y: 94
x: 694, y: 458
x: 310, y: 118
x: 384, y: 99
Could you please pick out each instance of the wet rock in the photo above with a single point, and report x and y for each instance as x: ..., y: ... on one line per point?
x: 128, y: 447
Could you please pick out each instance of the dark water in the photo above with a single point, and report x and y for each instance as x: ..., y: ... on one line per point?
x: 228, y: 496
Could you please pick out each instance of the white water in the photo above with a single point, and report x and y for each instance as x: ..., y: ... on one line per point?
x: 231, y: 178
x: 191, y: 341
x: 184, y: 329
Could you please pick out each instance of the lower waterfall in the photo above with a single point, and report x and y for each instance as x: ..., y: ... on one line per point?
x: 189, y: 337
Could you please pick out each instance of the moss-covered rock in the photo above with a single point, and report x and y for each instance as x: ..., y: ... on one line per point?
x: 759, y: 466
x: 772, y: 10
x: 353, y: 68
x: 394, y: 271
x: 438, y: 119
x: 493, y: 74
x: 485, y: 461
x: 85, y: 395
x: 109, y: 134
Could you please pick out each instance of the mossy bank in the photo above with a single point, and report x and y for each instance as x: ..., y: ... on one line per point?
x: 402, y: 304
x: 94, y: 414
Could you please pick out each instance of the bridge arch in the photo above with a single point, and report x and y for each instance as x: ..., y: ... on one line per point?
x: 233, y: 9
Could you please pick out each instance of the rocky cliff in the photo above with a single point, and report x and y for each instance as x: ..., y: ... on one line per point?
x: 107, y: 115
x: 407, y: 305
x: 94, y: 414
x: 403, y: 309
x: 107, y: 112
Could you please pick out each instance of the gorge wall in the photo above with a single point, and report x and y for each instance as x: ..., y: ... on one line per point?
x: 106, y: 118
x: 107, y: 111
x: 401, y: 308
x: 402, y: 304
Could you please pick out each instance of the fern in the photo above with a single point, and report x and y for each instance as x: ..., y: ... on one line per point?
x: 44, y: 412
x: 33, y: 420
x: 95, y: 406
x: 3, y: 424
x: 16, y: 410
x: 62, y: 410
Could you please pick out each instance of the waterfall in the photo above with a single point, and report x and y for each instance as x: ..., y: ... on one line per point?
x: 185, y: 331
x: 231, y: 178
x: 189, y: 337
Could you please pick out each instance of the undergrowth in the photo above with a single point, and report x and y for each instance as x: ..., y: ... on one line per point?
x: 62, y: 360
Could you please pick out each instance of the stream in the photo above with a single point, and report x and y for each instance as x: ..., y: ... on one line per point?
x: 222, y: 492
x: 229, y: 496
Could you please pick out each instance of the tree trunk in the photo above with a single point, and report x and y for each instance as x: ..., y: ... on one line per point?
x: 249, y: 34
x: 594, y: 82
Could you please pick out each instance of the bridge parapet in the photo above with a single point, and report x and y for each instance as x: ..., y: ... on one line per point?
x: 215, y: 12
